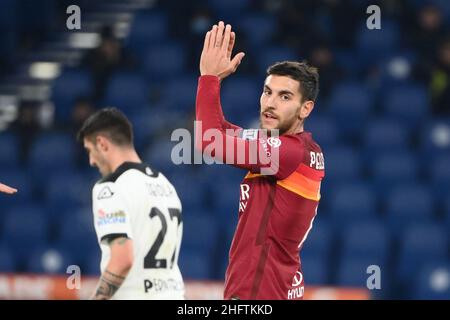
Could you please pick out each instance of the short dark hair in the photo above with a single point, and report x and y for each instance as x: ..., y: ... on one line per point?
x: 111, y: 122
x: 306, y: 75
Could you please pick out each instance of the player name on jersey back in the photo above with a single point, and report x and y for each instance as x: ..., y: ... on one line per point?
x: 141, y: 204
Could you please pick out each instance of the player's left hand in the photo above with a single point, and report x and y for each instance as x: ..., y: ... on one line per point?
x: 217, y: 49
x: 7, y: 189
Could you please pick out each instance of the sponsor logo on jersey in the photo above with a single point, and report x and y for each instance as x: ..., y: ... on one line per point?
x: 298, y: 289
x: 250, y: 134
x: 274, y: 142
x: 159, y: 285
x: 245, y: 195
x: 105, y: 193
x: 110, y: 218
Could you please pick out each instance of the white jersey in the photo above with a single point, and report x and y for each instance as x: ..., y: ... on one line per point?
x: 141, y: 204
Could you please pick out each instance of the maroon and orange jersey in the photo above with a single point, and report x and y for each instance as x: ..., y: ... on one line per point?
x: 276, y: 210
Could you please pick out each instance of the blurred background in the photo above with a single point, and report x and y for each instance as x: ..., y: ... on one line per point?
x: 382, y: 119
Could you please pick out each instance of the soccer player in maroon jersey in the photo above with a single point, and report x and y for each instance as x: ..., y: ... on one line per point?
x: 7, y: 189
x: 277, y: 208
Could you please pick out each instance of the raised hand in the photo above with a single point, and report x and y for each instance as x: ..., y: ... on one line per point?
x: 217, y: 49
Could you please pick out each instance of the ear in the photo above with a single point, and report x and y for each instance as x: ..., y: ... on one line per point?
x: 306, y: 108
x: 102, y: 143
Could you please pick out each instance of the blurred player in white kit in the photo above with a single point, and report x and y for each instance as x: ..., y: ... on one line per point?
x: 137, y: 215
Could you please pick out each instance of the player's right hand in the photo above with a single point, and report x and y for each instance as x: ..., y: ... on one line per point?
x: 7, y: 189
x: 217, y: 49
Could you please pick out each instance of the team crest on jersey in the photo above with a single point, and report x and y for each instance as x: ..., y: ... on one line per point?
x: 105, y: 193
x: 274, y: 142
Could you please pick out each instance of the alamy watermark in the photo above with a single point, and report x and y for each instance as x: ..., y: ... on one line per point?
x: 254, y: 147
x: 73, y: 282
x: 374, y: 280
x: 73, y: 22
x: 374, y: 20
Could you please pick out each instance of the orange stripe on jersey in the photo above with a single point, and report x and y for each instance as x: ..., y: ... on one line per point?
x: 301, y: 185
x: 297, y: 183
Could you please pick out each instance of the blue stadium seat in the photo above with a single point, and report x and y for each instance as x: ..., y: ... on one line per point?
x: 158, y: 155
x: 7, y: 259
x: 385, y: 134
x: 346, y: 61
x: 420, y: 243
x: 127, y: 91
x: 91, y: 264
x: 390, y: 169
x: 163, y: 118
x: 324, y: 130
x: 69, y: 86
x: 9, y: 155
x: 72, y: 188
x: 25, y: 228
x: 229, y: 11
x: 147, y: 27
x: 180, y: 92
x: 200, y: 233
x: 195, y: 265
x: 191, y: 190
x: 350, y: 103
x: 269, y: 55
x: 408, y: 104
x: 319, y: 243
x: 369, y: 240
x: 439, y: 172
x: 225, y: 195
x: 164, y: 60
x: 374, y: 45
x: 352, y: 272
x: 315, y: 271
x: 49, y: 260
x: 409, y: 203
x: 433, y: 281
x: 234, y: 102
x: 343, y: 163
x: 352, y: 202
x: 258, y: 29
x: 51, y: 152
x: 396, y: 70
x: 435, y: 138
x: 447, y: 209
x: 77, y: 234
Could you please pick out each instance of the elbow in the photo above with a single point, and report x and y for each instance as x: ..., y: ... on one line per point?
x: 122, y: 260
x: 127, y: 261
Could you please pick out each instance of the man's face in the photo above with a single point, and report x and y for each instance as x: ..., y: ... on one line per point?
x: 97, y: 156
x: 280, y: 104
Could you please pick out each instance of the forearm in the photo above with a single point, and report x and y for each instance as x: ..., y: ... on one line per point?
x: 208, y: 108
x: 214, y: 138
x: 119, y: 265
x: 110, y: 281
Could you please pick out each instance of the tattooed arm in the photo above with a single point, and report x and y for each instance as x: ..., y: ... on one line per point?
x: 117, y: 269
